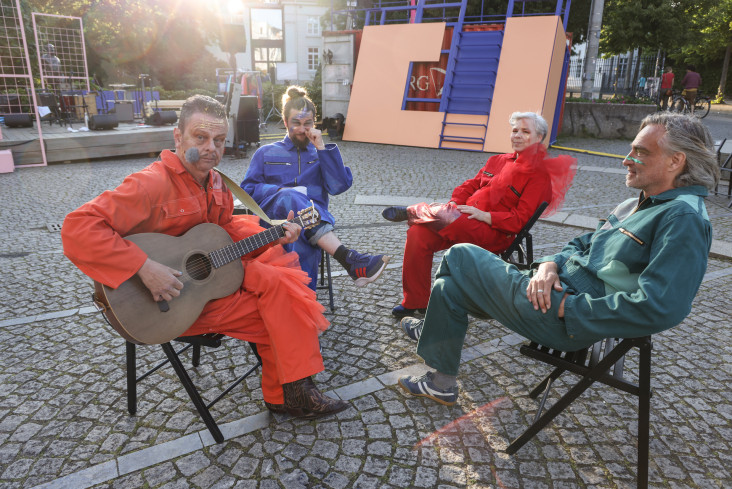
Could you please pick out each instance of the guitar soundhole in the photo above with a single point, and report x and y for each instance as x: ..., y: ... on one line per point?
x: 198, y: 266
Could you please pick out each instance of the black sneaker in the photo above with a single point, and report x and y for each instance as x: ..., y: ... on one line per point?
x: 365, y: 268
x: 413, y: 327
x: 400, y: 311
x: 395, y: 213
x: 425, y: 387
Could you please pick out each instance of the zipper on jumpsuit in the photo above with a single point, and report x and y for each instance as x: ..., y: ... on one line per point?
x: 299, y: 170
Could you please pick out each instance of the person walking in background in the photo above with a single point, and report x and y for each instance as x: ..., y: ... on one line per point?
x: 667, y: 83
x: 691, y: 83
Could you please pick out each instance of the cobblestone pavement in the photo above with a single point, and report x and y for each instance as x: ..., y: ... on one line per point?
x: 63, y: 418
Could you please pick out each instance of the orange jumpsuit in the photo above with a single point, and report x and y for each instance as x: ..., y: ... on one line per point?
x: 274, y: 307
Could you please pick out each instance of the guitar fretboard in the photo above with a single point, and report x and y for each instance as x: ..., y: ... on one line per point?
x: 234, y: 251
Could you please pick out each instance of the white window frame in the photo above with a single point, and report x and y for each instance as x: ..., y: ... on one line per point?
x: 313, y: 26
x: 313, y: 58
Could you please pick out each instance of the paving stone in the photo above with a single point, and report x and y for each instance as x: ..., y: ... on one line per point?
x: 62, y: 391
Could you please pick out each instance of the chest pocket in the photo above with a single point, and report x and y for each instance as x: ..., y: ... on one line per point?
x: 510, y: 197
x: 279, y: 170
x: 181, y: 208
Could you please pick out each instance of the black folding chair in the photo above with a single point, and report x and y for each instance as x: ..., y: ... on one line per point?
x: 725, y: 167
x: 325, y: 276
x: 523, y: 245
x: 195, y: 342
x: 602, y: 362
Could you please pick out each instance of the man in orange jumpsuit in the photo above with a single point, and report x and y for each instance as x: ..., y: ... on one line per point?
x: 274, y: 308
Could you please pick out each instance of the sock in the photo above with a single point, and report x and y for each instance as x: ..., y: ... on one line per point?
x: 444, y: 381
x: 340, y: 256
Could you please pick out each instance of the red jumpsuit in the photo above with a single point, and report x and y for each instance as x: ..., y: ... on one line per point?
x: 274, y: 307
x: 511, y: 203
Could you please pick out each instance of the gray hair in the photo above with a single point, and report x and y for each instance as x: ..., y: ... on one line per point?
x: 200, y: 104
x: 539, y: 122
x: 686, y: 134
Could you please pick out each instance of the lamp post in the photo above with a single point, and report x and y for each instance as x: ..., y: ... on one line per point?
x: 593, y: 44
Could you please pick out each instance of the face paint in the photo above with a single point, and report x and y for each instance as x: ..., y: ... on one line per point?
x: 634, y: 160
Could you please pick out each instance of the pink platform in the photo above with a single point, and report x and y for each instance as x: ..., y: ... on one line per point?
x: 6, y: 161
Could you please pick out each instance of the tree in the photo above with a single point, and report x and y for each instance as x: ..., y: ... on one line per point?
x: 163, y: 38
x: 710, y: 37
x: 645, y: 24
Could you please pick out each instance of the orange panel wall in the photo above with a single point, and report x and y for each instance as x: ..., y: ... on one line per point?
x: 374, y: 111
x: 529, y: 74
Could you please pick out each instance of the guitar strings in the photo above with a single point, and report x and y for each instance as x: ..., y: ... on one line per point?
x: 205, y: 263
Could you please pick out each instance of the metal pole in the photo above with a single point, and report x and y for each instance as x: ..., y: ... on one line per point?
x: 593, y: 42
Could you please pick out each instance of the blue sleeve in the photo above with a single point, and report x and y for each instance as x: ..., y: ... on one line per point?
x: 254, y: 182
x: 337, y: 177
x: 666, y: 287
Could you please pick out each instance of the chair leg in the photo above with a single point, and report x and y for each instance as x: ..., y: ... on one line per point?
x: 597, y: 371
x: 131, y: 378
x: 644, y: 408
x: 193, y: 393
x: 325, y: 274
x: 330, y: 282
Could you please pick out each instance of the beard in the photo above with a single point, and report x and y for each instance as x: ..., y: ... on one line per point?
x: 300, y: 141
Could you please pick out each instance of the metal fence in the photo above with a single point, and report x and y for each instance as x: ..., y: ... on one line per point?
x: 626, y: 74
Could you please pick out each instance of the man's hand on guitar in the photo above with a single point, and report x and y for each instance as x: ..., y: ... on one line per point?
x: 292, y: 230
x: 161, y: 280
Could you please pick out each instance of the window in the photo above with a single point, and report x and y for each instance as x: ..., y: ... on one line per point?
x: 265, y: 59
x: 266, y: 23
x: 313, y: 58
x: 313, y: 26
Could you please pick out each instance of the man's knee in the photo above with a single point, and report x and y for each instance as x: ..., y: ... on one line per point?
x: 287, y: 200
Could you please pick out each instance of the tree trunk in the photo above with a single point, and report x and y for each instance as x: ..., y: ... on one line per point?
x: 627, y: 88
x: 723, y: 78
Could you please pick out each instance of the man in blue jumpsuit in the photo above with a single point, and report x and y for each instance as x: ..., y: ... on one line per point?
x: 289, y: 174
x: 635, y: 275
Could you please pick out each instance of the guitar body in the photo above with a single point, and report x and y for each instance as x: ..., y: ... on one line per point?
x: 134, y: 314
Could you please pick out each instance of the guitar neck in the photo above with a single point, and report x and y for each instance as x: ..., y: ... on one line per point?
x: 234, y: 251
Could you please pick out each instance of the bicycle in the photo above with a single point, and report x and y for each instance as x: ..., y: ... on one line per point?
x: 702, y: 105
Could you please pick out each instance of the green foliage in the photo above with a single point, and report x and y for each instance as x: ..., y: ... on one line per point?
x: 124, y: 38
x: 647, y: 24
x: 315, y: 90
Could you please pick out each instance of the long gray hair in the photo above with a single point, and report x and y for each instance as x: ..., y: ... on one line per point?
x: 686, y: 134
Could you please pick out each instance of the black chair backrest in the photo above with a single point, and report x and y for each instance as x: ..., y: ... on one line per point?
x: 524, y: 234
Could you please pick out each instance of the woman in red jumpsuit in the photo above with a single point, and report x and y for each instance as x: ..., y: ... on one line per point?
x: 487, y: 210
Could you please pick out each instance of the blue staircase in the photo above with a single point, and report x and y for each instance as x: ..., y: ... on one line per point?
x: 469, y: 84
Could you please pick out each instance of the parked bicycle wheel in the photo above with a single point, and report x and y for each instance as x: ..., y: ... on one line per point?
x: 679, y: 105
x: 701, y: 107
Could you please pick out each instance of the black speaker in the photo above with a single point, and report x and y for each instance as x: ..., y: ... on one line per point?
x: 100, y: 122
x: 18, y: 120
x: 233, y: 38
x: 163, y: 117
x: 247, y: 119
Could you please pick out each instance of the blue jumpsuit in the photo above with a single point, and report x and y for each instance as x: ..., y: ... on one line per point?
x: 282, y: 165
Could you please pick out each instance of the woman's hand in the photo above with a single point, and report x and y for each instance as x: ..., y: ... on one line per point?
x: 474, y: 213
x: 540, y: 286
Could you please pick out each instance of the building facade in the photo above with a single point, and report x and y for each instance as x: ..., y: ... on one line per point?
x: 284, y: 38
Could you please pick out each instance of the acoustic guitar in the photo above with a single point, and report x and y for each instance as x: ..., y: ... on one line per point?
x: 211, y: 266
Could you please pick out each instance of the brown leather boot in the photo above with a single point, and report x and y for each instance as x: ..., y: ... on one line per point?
x: 304, y: 400
x: 275, y: 408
